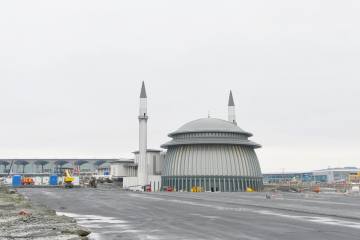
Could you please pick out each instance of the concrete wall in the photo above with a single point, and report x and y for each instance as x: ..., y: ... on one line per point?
x: 130, y: 182
x: 118, y: 170
x: 154, y: 161
x: 155, y: 182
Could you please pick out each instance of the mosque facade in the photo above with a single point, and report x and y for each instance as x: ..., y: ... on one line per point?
x: 209, y: 153
x: 213, y: 154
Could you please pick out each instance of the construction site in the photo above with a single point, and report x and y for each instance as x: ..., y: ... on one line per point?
x: 179, y: 120
x: 206, y: 184
x: 108, y: 212
x: 203, y: 155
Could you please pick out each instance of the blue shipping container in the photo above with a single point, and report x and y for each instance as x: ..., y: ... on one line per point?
x: 16, y: 181
x: 53, y: 181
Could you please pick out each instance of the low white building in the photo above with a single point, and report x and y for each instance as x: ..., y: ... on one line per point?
x: 125, y: 170
x: 154, y: 160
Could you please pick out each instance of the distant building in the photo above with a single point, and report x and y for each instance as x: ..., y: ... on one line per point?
x: 123, y: 168
x: 335, y: 175
x: 126, y: 170
x: 330, y: 176
x: 285, y: 177
x: 54, y: 165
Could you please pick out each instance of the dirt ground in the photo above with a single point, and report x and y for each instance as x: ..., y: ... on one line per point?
x: 21, y: 219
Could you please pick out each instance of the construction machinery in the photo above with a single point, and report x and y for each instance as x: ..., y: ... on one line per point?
x: 27, y: 181
x: 249, y: 189
x: 12, y: 163
x: 93, y: 182
x: 168, y: 189
x: 137, y: 188
x: 68, y: 179
x: 316, y: 189
x: 196, y: 189
x: 354, y: 178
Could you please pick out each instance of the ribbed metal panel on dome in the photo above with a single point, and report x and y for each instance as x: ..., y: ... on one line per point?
x: 206, y: 160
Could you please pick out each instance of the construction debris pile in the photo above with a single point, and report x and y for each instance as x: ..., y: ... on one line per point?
x: 21, y: 219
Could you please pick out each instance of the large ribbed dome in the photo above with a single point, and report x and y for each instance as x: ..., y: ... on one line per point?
x: 209, y: 125
x: 211, y: 153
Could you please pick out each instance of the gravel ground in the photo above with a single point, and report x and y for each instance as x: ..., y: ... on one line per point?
x: 21, y: 219
x: 113, y: 214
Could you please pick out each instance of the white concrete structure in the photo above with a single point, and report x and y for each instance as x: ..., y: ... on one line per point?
x: 143, y: 117
x: 126, y: 170
x: 147, y: 165
x: 123, y: 168
x: 154, y: 161
x: 130, y: 182
x: 155, y: 183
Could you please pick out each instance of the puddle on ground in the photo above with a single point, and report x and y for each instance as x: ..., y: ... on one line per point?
x: 104, y: 228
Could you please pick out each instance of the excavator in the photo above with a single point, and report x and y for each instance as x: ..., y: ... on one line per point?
x: 68, y: 179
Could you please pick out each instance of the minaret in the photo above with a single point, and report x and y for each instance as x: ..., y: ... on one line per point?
x: 231, y: 109
x: 143, y: 117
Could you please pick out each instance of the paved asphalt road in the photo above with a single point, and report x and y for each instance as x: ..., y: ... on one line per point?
x: 114, y: 214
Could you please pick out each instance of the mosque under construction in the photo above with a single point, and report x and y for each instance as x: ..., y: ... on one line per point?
x: 208, y: 153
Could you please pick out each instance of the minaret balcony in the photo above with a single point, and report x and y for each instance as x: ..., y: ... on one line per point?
x: 146, y: 117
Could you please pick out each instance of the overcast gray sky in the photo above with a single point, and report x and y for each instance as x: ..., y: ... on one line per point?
x: 70, y: 74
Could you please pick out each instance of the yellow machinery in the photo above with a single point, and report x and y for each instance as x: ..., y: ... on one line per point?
x: 354, y: 178
x: 249, y: 189
x: 68, y: 179
x: 27, y: 181
x: 196, y: 189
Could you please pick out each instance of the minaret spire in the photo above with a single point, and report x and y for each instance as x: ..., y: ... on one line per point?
x: 143, y: 117
x: 231, y: 100
x: 231, y: 109
x: 143, y: 101
x: 143, y: 91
